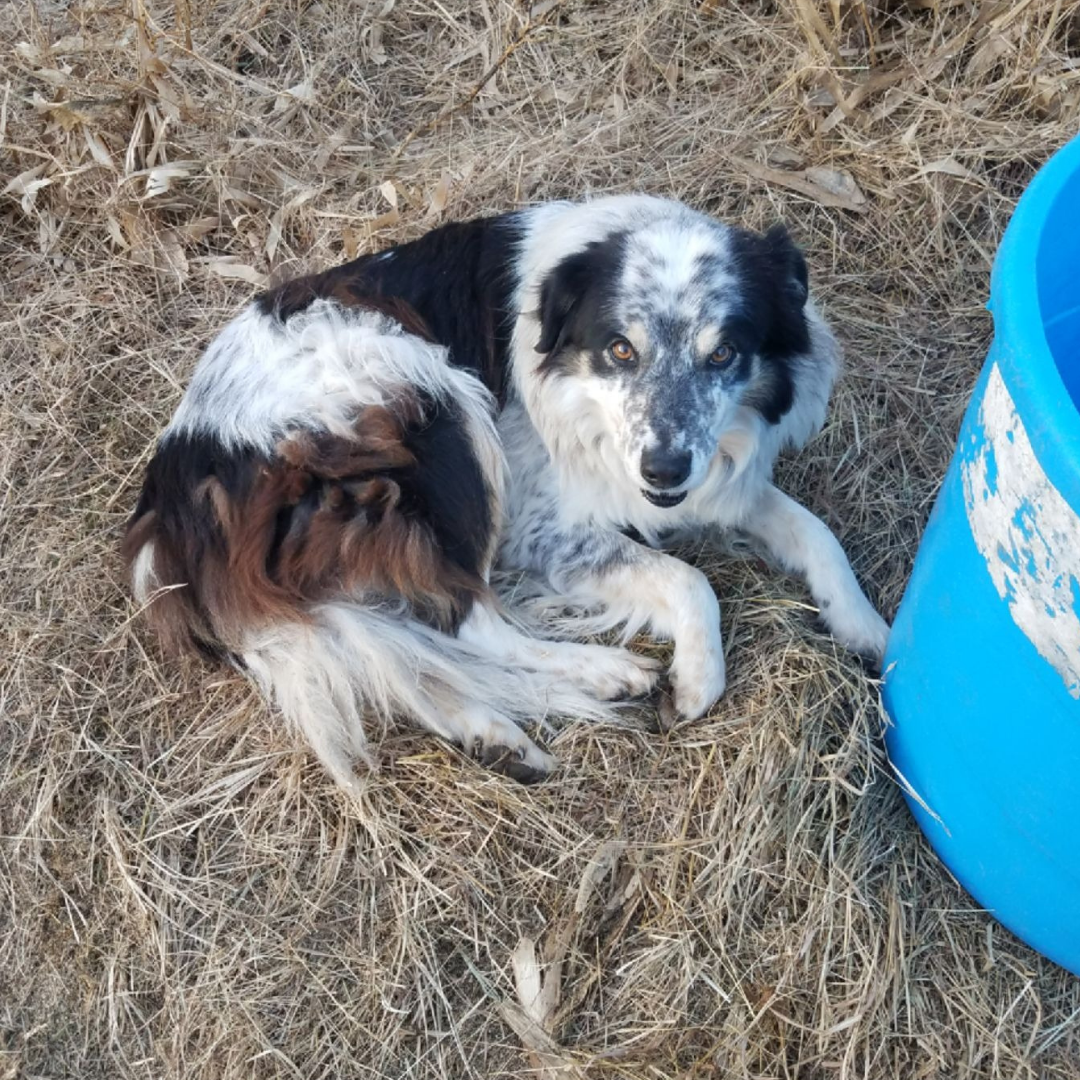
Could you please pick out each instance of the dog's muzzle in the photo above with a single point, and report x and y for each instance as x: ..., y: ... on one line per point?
x: 662, y: 498
x: 665, y: 469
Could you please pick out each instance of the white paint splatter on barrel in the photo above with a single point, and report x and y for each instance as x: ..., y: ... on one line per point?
x: 1026, y: 531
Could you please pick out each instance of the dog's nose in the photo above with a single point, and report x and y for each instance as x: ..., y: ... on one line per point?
x: 665, y: 468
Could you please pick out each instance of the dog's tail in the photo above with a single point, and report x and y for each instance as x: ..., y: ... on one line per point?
x: 348, y: 663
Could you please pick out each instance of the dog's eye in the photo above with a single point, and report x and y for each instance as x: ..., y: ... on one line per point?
x: 722, y: 356
x: 621, y: 350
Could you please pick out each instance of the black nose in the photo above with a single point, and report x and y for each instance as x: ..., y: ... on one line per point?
x: 665, y: 468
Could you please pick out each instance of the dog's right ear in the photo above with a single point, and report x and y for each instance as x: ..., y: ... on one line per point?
x: 789, y: 263
x: 560, y: 294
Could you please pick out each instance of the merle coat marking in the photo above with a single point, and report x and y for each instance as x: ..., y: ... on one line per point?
x: 556, y: 389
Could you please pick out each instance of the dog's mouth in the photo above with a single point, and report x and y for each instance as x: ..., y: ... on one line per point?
x: 660, y: 498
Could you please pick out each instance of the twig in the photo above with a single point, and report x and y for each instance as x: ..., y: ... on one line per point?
x: 448, y: 110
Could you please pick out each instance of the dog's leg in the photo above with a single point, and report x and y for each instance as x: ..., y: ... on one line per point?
x: 803, y: 545
x: 607, y: 673
x: 641, y: 588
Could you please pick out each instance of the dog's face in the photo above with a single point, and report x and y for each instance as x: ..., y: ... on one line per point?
x: 667, y: 329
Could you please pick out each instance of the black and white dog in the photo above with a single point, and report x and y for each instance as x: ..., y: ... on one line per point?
x: 554, y: 390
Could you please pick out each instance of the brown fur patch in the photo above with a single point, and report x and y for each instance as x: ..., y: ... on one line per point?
x: 259, y: 541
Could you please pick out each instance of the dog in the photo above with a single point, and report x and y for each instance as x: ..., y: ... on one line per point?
x: 560, y: 391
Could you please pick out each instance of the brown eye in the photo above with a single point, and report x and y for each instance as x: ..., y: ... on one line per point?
x: 621, y: 350
x: 722, y: 356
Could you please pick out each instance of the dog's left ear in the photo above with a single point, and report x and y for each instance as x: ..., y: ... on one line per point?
x: 559, y: 296
x: 789, y: 263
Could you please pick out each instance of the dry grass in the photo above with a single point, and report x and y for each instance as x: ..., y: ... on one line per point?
x: 184, y: 894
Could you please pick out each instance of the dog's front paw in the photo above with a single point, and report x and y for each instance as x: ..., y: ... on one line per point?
x: 697, y: 674
x: 858, y: 627
x: 698, y: 679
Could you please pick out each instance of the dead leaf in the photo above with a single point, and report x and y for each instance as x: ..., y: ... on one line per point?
x: 98, y: 150
x: 890, y: 101
x: 331, y: 144
x: 27, y: 184
x: 383, y: 221
x: 303, y: 91
x: 144, y: 49
x: 229, y: 266
x: 538, y: 996
x: 300, y: 196
x: 440, y: 196
x: 273, y: 234
x: 820, y: 98
x: 671, y: 74
x: 988, y: 55
x: 200, y: 227
x: 173, y: 256
x: 32, y: 54
x: 830, y: 189
x: 784, y: 157
x: 159, y: 179
x: 59, y: 112
x: 949, y: 167
x: 389, y: 192
x: 836, y: 182
x: 600, y: 866
x: 531, y: 1016
x: 349, y: 242
x: 376, y: 52
x: 168, y: 97
x: 116, y: 234
x: 21, y: 183
x: 239, y: 195
x: 563, y: 94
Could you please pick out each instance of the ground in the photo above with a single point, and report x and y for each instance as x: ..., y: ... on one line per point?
x: 183, y: 892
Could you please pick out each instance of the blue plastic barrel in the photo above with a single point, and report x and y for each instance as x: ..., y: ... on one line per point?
x: 982, y: 674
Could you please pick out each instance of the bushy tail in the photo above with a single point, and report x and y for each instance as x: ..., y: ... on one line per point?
x: 350, y: 664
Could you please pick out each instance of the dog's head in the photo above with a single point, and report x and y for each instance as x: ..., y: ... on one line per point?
x: 668, y: 328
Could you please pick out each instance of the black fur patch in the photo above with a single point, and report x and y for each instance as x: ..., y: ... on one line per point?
x: 578, y: 304
x: 458, y: 278
x: 180, y: 465
x: 774, y: 287
x: 447, y: 488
